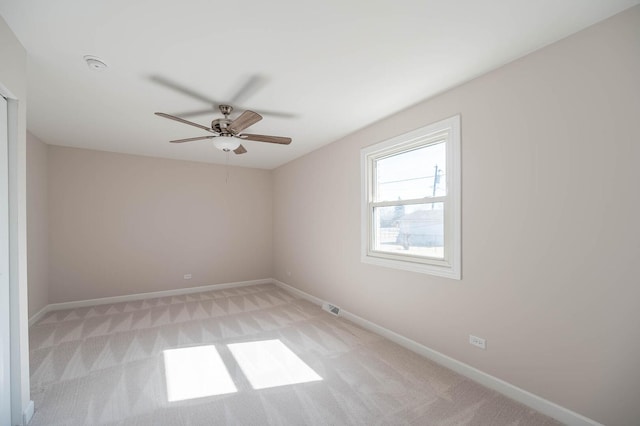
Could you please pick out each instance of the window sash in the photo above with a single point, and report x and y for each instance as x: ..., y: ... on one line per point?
x: 421, y: 142
x: 447, y: 236
x: 425, y: 200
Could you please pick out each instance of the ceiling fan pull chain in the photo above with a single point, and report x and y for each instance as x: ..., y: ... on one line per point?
x: 226, y: 168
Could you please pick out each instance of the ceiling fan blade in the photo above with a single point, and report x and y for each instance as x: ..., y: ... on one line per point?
x: 265, y: 138
x: 240, y: 150
x: 245, y: 120
x: 180, y: 88
x: 192, y: 139
x: 172, y: 117
x: 197, y: 113
x: 278, y: 114
x: 253, y: 84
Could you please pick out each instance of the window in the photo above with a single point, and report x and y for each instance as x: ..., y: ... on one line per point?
x: 411, y: 201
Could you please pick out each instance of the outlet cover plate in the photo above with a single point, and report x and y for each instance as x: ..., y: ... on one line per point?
x: 477, y: 341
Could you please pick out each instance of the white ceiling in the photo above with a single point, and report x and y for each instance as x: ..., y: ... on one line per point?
x: 337, y: 65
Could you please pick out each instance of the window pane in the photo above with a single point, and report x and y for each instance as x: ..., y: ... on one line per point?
x: 412, y: 174
x: 416, y: 230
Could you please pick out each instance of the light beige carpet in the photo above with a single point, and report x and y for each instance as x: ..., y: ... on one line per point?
x: 104, y: 365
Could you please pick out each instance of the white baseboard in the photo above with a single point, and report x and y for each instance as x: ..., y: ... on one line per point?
x: 36, y: 317
x: 140, y: 296
x: 536, y: 402
x: 28, y: 413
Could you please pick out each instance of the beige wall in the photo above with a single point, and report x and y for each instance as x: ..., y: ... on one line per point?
x: 551, y: 240
x: 37, y: 225
x: 124, y: 224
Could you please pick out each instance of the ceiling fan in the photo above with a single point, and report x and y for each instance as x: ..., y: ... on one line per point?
x: 227, y: 133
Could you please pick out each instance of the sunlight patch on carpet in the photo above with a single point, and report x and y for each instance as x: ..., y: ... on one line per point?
x: 196, y: 372
x: 270, y: 363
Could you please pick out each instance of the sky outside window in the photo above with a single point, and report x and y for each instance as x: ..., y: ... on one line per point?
x: 412, y: 174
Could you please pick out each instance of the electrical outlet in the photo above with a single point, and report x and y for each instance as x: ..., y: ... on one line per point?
x: 187, y: 276
x: 478, y: 341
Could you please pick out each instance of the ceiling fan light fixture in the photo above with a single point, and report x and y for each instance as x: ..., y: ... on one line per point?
x: 226, y: 143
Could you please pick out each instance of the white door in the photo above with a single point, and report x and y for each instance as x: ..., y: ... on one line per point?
x: 5, y: 368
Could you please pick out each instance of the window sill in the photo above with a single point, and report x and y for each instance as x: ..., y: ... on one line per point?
x: 423, y: 268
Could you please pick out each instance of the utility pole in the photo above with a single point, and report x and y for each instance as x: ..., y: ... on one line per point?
x: 436, y: 180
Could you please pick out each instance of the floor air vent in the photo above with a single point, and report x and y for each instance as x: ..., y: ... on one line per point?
x: 332, y: 309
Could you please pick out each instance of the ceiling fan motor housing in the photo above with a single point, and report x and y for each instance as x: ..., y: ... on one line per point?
x: 219, y: 125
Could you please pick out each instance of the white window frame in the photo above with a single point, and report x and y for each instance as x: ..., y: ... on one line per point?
x: 447, y: 131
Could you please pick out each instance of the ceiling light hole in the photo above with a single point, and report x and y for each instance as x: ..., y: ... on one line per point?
x: 95, y: 63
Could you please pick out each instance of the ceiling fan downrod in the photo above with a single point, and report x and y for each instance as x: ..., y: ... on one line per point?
x: 226, y: 110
